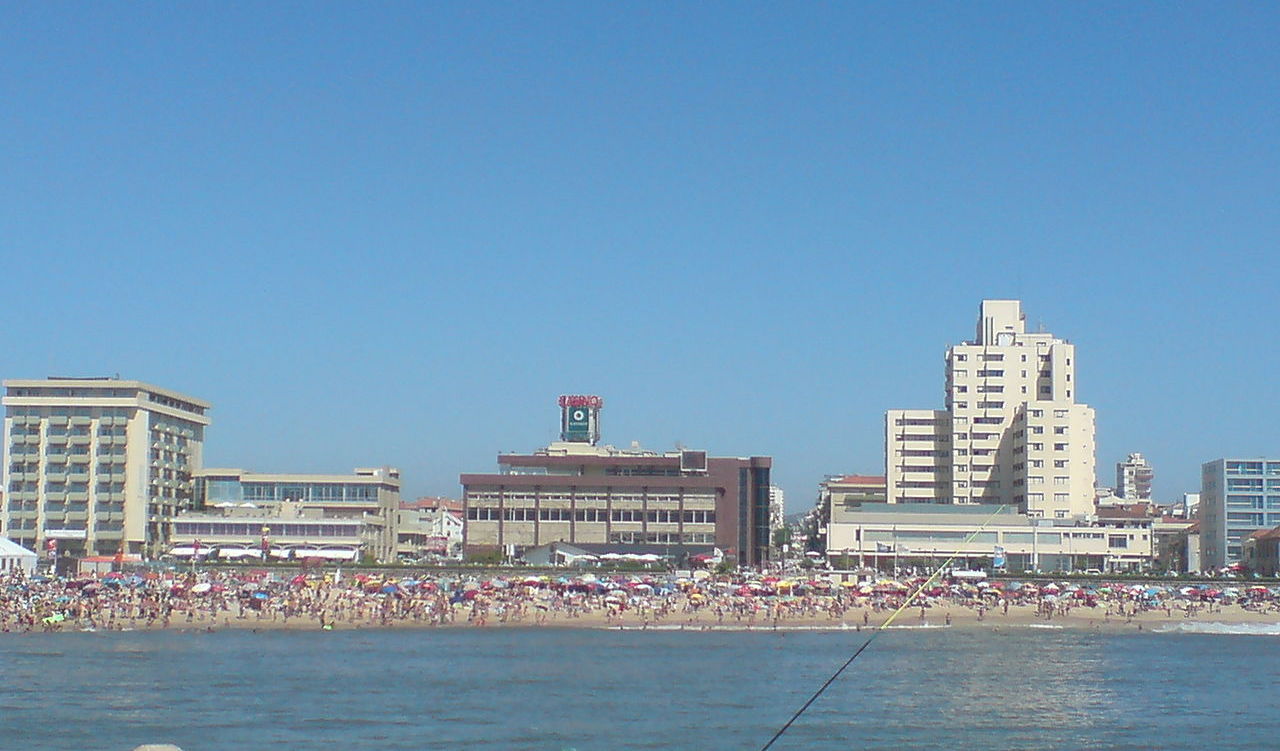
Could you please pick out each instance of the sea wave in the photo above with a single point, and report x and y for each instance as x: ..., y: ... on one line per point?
x: 1214, y: 627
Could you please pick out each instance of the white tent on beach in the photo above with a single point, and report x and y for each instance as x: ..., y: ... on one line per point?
x: 13, y: 557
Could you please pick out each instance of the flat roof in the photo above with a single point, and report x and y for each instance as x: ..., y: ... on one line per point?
x: 250, y: 476
x: 103, y: 383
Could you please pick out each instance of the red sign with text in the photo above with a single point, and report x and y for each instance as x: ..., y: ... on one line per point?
x: 581, y: 400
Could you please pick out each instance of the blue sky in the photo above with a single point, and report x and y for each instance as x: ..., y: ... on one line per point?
x: 394, y: 233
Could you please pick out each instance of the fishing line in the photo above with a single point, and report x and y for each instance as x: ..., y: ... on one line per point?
x: 879, y: 629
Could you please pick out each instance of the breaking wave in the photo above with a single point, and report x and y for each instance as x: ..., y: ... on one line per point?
x: 1254, y: 629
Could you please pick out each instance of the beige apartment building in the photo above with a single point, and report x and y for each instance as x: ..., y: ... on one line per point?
x: 1011, y: 432
x: 97, y: 466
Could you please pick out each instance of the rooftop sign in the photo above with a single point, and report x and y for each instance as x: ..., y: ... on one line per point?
x: 581, y: 400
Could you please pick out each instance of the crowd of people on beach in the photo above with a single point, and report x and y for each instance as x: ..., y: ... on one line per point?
x: 213, y: 599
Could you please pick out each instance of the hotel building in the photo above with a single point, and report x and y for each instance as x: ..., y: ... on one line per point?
x: 97, y: 465
x: 1237, y: 498
x: 602, y: 498
x: 1011, y: 432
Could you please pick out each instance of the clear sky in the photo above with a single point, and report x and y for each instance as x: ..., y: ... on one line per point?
x: 394, y: 233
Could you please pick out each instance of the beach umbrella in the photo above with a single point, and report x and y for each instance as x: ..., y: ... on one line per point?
x: 201, y: 588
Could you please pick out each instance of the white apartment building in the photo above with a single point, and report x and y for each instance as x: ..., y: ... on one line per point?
x: 1011, y: 433
x: 98, y: 465
x: 1133, y: 478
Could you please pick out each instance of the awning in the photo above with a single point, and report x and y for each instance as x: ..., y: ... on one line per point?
x: 239, y: 553
x: 337, y: 555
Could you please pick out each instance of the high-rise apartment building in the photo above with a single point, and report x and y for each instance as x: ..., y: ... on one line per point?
x: 1237, y: 498
x: 1133, y: 478
x: 98, y: 465
x: 1012, y: 432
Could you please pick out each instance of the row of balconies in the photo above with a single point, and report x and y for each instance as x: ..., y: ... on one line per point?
x: 79, y: 512
x: 172, y: 429
x: 177, y: 484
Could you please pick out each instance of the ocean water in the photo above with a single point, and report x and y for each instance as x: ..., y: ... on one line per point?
x: 553, y: 689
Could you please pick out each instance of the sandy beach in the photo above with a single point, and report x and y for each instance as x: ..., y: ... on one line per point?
x: 332, y: 608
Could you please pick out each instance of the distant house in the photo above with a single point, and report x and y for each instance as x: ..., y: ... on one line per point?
x: 429, y: 526
x: 1261, y: 552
